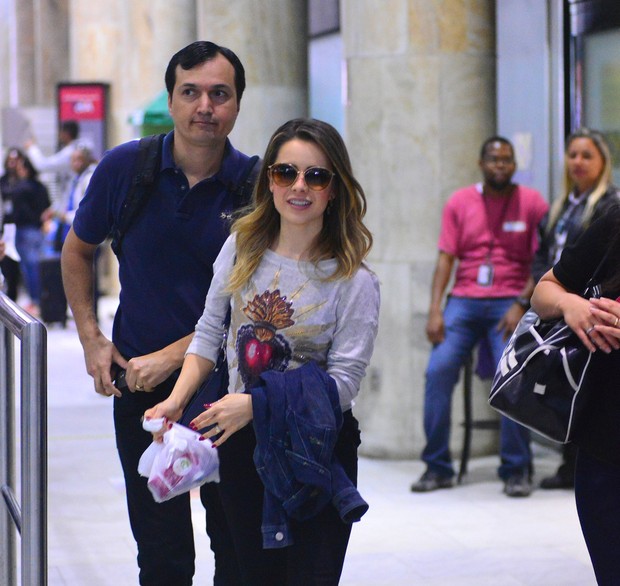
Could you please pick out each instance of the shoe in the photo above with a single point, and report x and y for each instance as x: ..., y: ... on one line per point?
x: 557, y: 481
x: 430, y: 481
x: 518, y: 485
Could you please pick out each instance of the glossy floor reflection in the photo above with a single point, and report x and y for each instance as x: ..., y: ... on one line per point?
x: 471, y: 535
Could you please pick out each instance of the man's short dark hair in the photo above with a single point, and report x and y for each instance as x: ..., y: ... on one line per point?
x: 197, y: 53
x: 71, y: 127
x: 489, y: 141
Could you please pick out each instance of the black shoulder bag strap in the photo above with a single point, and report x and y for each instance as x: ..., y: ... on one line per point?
x: 242, y: 192
x: 146, y: 170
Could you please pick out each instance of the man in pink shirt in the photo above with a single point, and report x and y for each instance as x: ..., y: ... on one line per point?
x: 490, y: 229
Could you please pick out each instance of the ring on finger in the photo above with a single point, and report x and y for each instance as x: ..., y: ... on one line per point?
x: 616, y: 322
x: 139, y: 387
x: 589, y: 330
x: 217, y: 428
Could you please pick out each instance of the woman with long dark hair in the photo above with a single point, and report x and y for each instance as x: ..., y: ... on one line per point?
x: 26, y: 199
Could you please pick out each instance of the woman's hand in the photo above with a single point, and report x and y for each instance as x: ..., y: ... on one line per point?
x: 170, y: 410
x: 228, y: 415
x: 580, y: 318
x: 551, y: 300
x: 607, y: 314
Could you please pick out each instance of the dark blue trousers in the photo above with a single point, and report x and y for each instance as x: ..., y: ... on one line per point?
x: 163, y: 531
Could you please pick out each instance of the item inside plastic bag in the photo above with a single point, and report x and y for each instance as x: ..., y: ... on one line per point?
x: 179, y: 463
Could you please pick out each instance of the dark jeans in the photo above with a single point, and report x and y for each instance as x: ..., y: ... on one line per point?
x: 320, y: 544
x: 163, y: 531
x: 597, y: 493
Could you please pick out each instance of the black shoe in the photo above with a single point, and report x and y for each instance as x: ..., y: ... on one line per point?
x: 518, y: 485
x: 557, y: 481
x: 430, y: 481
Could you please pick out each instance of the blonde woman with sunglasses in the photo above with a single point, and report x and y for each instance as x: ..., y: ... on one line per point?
x: 303, y: 319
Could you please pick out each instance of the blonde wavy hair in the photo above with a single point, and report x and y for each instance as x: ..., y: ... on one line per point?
x: 343, y: 235
x: 601, y: 187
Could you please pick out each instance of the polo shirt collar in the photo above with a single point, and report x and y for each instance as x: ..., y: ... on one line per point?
x: 229, y: 169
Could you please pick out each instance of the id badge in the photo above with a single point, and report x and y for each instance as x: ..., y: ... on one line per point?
x: 485, y: 275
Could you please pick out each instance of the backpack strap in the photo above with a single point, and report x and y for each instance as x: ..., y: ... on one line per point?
x: 242, y: 193
x: 145, y: 171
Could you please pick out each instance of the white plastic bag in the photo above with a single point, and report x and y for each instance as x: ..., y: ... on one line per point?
x: 179, y: 463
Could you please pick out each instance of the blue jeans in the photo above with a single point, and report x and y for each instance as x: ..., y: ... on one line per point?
x: 467, y: 321
x: 597, y: 494
x: 29, y: 245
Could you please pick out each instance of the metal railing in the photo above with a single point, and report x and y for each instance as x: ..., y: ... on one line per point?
x: 31, y: 518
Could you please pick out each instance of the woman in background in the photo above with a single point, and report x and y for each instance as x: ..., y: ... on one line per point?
x: 26, y: 199
x: 9, y: 265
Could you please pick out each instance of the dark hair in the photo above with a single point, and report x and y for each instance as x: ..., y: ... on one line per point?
x: 71, y: 127
x: 199, y: 52
x: 13, y: 152
x: 32, y: 172
x: 489, y: 141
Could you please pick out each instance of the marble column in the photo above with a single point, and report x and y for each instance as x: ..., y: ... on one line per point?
x: 421, y: 99
x: 128, y: 44
x: 270, y: 38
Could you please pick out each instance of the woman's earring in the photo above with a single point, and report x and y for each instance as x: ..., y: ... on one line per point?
x: 330, y: 203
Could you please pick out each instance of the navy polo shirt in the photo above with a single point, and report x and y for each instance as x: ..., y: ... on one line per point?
x: 166, y: 264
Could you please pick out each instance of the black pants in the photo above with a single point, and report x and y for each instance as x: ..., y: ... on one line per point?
x: 12, y: 276
x: 163, y: 531
x: 597, y: 493
x: 320, y: 544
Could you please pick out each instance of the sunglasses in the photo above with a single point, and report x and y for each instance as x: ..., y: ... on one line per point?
x: 285, y: 174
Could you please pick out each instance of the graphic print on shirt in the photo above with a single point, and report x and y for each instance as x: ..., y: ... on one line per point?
x: 259, y: 347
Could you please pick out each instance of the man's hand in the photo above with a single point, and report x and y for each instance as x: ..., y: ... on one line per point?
x: 144, y: 373
x: 511, y: 318
x: 100, y: 355
x: 435, y: 331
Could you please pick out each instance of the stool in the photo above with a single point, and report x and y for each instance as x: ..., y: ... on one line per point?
x: 469, y: 423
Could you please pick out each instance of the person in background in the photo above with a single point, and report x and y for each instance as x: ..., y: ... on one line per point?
x: 304, y: 315
x: 490, y: 228
x: 59, y: 162
x: 595, y: 321
x: 10, y: 261
x: 83, y: 164
x: 28, y: 201
x: 165, y: 271
x: 588, y: 194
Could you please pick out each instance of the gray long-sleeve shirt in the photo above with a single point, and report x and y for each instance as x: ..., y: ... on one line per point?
x: 287, y: 316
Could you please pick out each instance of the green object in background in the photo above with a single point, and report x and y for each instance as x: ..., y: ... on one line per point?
x: 154, y: 118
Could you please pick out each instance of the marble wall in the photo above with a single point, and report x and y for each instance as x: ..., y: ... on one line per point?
x: 421, y: 100
x: 128, y: 45
x: 270, y: 39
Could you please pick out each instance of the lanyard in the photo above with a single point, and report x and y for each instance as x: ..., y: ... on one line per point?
x: 493, y: 229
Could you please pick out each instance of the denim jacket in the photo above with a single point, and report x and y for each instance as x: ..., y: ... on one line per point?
x: 297, y: 417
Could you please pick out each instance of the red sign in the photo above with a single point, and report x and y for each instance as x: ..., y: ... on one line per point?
x: 81, y: 102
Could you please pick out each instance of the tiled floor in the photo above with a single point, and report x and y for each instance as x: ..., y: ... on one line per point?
x: 467, y: 536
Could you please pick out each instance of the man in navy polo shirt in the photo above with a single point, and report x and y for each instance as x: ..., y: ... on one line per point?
x: 165, y: 269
